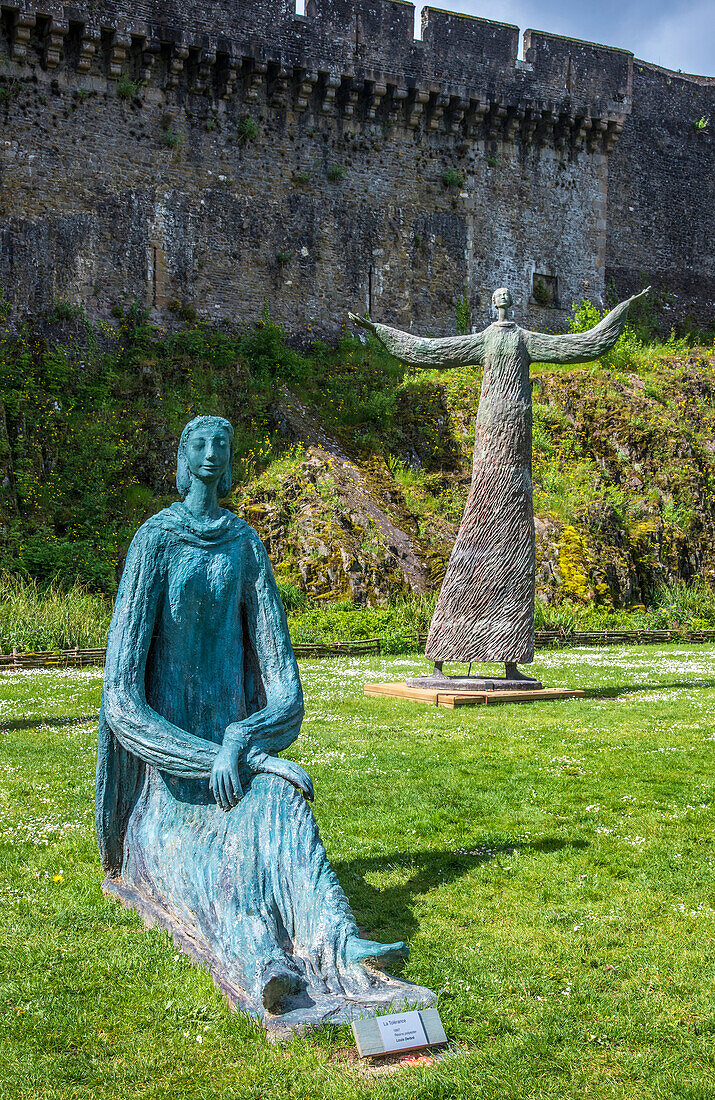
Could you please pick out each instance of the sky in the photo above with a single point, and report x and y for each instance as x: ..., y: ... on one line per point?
x: 678, y: 34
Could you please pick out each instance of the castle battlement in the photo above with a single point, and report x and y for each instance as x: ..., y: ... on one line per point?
x: 354, y: 58
x: 208, y: 158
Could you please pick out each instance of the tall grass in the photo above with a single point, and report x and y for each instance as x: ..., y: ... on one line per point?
x: 38, y: 618
x: 682, y: 605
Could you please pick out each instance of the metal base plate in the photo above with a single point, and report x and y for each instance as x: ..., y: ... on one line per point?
x: 473, y: 683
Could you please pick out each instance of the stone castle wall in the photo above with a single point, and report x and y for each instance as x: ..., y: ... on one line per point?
x: 227, y: 156
x: 661, y: 192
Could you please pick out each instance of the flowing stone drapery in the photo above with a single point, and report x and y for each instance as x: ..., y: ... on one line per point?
x: 485, y: 610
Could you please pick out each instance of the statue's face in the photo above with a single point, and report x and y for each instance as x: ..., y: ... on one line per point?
x: 502, y: 297
x: 208, y: 452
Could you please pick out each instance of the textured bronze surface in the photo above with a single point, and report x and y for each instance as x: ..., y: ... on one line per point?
x: 485, y: 610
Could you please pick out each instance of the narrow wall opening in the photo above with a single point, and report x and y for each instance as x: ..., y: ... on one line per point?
x: 417, y: 32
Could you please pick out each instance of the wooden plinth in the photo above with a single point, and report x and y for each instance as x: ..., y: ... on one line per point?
x: 453, y: 699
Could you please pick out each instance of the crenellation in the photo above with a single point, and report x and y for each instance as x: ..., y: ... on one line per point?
x: 370, y: 40
x: 461, y: 45
x: 392, y: 173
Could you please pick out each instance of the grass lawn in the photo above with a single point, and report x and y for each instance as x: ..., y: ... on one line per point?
x: 551, y: 865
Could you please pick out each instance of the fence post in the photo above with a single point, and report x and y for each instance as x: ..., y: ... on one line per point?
x: 15, y: 657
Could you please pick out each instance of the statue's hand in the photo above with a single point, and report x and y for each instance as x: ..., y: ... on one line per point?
x: 224, y: 783
x: 641, y: 295
x: 286, y: 769
x: 363, y: 322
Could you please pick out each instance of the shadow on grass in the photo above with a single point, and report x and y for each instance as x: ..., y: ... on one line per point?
x: 47, y: 720
x: 388, y: 914
x: 630, y: 689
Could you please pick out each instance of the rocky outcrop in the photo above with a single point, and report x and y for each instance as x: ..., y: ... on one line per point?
x: 624, y: 490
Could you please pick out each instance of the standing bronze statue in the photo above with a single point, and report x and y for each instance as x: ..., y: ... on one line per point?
x: 485, y: 610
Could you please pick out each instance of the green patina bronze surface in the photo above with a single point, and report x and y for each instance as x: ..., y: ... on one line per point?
x: 201, y: 826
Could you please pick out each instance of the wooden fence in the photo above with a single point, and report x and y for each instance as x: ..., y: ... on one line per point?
x: 545, y: 639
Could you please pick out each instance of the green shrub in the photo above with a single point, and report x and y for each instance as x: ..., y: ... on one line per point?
x: 452, y: 178
x: 634, y: 350
x: 247, y: 129
x: 128, y: 88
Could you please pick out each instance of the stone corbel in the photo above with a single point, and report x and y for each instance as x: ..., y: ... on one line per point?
x: 531, y: 118
x: 147, y: 59
x: 415, y: 108
x: 24, y: 25
x: 614, y: 131
x: 515, y: 118
x: 545, y: 127
x: 332, y: 83
x: 306, y: 83
x: 227, y: 66
x: 87, y: 48
x: 397, y: 99
x: 204, y: 71
x: 563, y: 129
x: 179, y: 55
x: 495, y: 120
x: 121, y: 44
x: 53, y: 46
x: 436, y: 111
x: 351, y: 96
x: 456, y: 111
x: 376, y: 92
x: 475, y: 118
x: 229, y: 76
x: 581, y: 127
x: 256, y: 79
x: 599, y: 127
x: 279, y: 88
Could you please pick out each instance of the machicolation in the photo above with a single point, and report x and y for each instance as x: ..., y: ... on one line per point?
x: 217, y: 157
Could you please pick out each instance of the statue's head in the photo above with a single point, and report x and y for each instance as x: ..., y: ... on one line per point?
x: 502, y: 297
x: 205, y: 452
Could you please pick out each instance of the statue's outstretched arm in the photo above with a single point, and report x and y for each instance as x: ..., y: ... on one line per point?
x: 137, y: 727
x: 580, y: 347
x: 418, y: 351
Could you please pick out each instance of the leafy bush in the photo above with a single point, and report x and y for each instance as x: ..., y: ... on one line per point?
x: 397, y: 625
x: 128, y: 88
x: 634, y: 350
x: 452, y: 178
x: 247, y: 129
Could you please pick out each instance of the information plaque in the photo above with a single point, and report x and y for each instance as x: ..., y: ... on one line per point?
x: 404, y: 1032
x: 401, y: 1031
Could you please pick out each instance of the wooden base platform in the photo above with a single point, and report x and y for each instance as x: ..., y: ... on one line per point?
x: 453, y: 699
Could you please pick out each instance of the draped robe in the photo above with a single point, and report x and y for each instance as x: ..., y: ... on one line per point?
x: 485, y: 609
x: 199, y: 643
